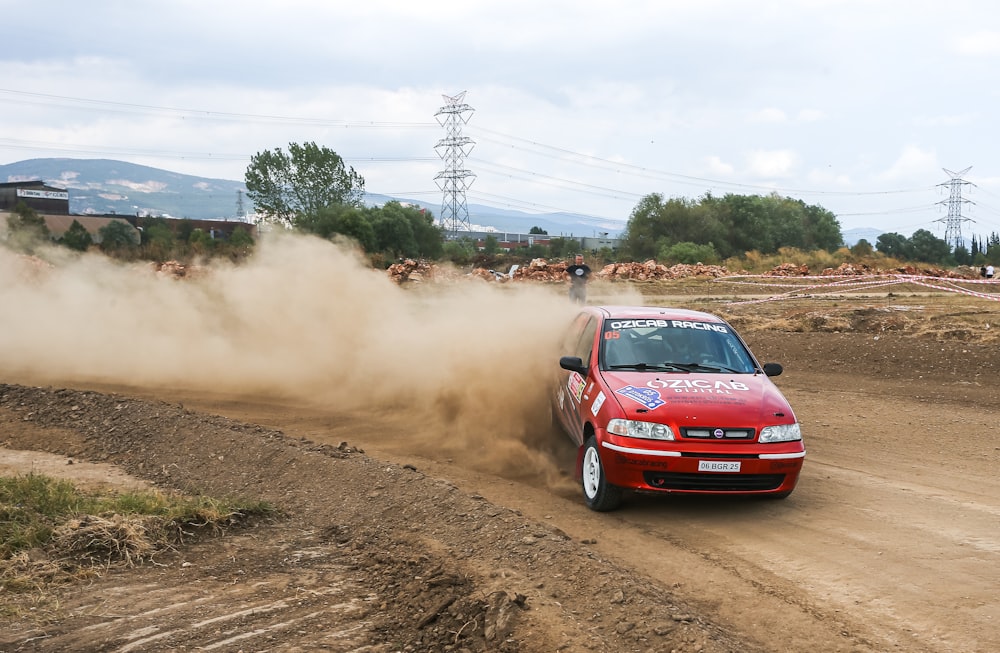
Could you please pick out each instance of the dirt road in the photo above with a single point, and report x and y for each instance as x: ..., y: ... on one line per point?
x: 891, y: 542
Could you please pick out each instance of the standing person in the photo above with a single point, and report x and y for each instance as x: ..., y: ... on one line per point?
x: 579, y: 276
x: 989, y: 271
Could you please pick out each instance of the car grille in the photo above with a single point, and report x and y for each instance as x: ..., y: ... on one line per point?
x: 712, y: 433
x: 713, y: 482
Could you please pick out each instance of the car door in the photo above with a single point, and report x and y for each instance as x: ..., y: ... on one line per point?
x: 571, y: 388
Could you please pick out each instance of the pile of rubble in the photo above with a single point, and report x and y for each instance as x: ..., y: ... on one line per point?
x: 540, y: 270
x: 411, y: 270
x: 968, y: 273
x: 489, y: 275
x: 32, y: 268
x: 177, y: 270
x: 653, y: 271
x: 789, y: 270
x: 851, y: 270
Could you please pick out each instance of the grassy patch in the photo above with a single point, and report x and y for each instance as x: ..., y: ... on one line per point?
x: 50, y: 530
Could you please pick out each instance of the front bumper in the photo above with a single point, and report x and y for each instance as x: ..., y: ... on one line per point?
x: 763, y: 468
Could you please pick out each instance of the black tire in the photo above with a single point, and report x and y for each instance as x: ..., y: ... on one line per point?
x: 597, y: 492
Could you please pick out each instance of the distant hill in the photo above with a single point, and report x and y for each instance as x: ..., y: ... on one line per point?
x: 102, y: 186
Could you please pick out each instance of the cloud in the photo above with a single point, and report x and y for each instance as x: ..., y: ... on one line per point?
x: 983, y: 43
x: 717, y: 166
x: 945, y: 120
x: 811, y: 115
x: 769, y: 115
x: 912, y: 161
x: 772, y: 163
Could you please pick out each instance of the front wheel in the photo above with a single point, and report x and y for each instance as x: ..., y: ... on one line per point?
x: 600, y: 495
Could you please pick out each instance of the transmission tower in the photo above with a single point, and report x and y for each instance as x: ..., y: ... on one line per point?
x: 240, y: 213
x: 953, y: 223
x: 454, y: 180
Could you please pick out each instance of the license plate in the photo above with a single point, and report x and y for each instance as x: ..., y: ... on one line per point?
x: 718, y: 465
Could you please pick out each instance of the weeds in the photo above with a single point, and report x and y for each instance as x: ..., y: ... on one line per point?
x: 50, y: 530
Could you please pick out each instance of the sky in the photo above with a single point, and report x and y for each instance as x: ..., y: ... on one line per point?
x: 868, y: 108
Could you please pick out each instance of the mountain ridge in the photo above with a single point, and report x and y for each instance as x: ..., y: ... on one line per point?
x: 109, y: 186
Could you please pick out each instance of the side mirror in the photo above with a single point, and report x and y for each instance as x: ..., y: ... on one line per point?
x: 573, y: 364
x: 773, y: 369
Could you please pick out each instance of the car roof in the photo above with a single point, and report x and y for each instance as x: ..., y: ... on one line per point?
x: 655, y: 312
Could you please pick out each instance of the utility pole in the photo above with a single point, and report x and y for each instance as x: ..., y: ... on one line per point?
x: 953, y: 223
x: 454, y: 180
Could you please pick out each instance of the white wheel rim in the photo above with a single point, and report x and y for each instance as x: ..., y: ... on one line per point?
x: 591, y: 472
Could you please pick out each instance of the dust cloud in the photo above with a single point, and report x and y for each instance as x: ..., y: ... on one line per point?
x: 465, y: 365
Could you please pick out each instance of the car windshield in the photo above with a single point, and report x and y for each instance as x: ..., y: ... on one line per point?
x: 673, y: 346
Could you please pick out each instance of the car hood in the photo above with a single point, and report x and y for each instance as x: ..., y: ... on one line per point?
x: 708, y: 399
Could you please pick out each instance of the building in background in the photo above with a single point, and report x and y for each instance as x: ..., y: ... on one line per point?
x: 36, y: 195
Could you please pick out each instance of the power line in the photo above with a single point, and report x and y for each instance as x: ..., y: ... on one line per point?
x: 514, y: 142
x: 651, y: 173
x: 148, y: 109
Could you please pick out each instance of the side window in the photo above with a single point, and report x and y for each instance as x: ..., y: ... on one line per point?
x: 570, y: 344
x: 585, y: 346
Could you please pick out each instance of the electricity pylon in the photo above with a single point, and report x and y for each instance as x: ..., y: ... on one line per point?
x: 454, y: 180
x: 953, y: 222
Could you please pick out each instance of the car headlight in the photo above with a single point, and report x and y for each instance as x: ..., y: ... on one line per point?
x: 634, y: 429
x: 781, y: 433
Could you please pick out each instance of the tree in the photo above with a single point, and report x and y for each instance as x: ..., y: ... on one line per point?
x: 184, y: 230
x: 537, y: 231
x: 561, y: 247
x: 349, y: 221
x: 241, y: 239
x: 26, y: 228
x: 117, y: 239
x: 158, y: 241
x: 286, y: 186
x: 394, y: 234
x: 201, y: 241
x: 459, y: 252
x: 689, y: 253
x: 862, y: 249
x: 894, y: 245
x: 407, y: 231
x: 926, y: 247
x: 654, y: 223
x: 77, y: 237
x: 732, y: 224
x: 491, y: 246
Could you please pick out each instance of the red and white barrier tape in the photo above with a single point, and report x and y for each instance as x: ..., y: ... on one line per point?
x: 832, y: 285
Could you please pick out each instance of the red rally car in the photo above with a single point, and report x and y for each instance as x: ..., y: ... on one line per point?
x: 672, y: 400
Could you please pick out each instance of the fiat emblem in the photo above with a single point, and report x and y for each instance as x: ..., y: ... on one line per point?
x: 719, y: 433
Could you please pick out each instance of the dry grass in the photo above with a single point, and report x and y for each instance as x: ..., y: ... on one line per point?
x: 54, y: 533
x: 906, y: 309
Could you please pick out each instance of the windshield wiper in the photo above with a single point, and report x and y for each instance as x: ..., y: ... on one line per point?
x: 642, y: 367
x: 673, y: 367
x: 693, y: 367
